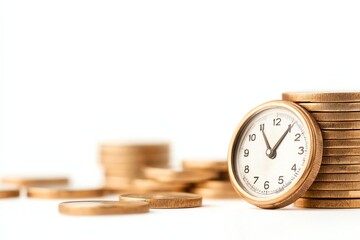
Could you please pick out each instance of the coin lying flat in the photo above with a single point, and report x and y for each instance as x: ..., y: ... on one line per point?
x: 328, y: 152
x: 331, y: 107
x: 166, y: 199
x: 35, y: 181
x: 336, y: 97
x: 335, y: 186
x: 132, y: 158
x: 353, y: 143
x: 350, y: 134
x: 170, y: 175
x: 214, y: 184
x: 7, y: 192
x: 332, y: 194
x: 340, y: 125
x: 327, y: 203
x: 336, y: 116
x: 142, y: 148
x: 220, y: 166
x: 86, y: 208
x: 339, y: 168
x: 224, y: 176
x: 149, y: 185
x: 215, y: 193
x: 337, y: 177
x: 341, y: 160
x: 118, y: 183
x: 56, y: 192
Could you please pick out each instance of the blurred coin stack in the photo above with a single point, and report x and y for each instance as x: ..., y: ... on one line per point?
x: 217, y: 187
x: 123, y: 163
x: 338, y: 182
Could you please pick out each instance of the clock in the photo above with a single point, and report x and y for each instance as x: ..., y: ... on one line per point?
x: 275, y: 154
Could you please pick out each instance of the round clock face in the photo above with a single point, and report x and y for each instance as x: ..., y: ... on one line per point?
x: 273, y: 151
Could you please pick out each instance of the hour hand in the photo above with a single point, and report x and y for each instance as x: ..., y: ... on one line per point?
x: 268, y: 148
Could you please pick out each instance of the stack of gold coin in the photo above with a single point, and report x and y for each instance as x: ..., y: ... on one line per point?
x: 123, y: 162
x: 218, y: 187
x: 338, y: 182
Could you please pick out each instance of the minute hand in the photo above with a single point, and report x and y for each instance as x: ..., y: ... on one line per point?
x: 273, y: 150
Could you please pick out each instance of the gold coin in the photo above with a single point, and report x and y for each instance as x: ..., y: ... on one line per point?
x: 35, y: 181
x: 118, y: 183
x: 336, y: 116
x: 7, y: 192
x: 331, y: 107
x: 351, y: 134
x: 348, y: 143
x: 166, y: 199
x: 215, y: 193
x: 336, y: 97
x: 149, y: 185
x: 215, y: 184
x: 339, y: 168
x: 220, y: 166
x: 340, y: 125
x: 55, y: 192
x: 335, y: 186
x: 224, y: 176
x: 337, y: 177
x: 86, y: 208
x: 332, y: 194
x: 327, y: 203
x: 134, y: 148
x: 118, y: 172
x: 328, y: 152
x: 132, y: 158
x: 341, y: 160
x: 170, y: 175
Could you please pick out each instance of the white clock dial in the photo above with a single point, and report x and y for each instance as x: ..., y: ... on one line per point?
x: 271, y: 153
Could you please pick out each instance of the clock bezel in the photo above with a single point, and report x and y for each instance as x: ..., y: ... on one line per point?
x: 313, y: 161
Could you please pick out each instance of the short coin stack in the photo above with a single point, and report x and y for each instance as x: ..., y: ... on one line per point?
x: 338, y: 182
x: 219, y: 187
x: 122, y: 163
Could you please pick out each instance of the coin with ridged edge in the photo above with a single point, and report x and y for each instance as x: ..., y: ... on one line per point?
x: 336, y: 116
x: 335, y: 186
x: 86, y: 208
x: 327, y: 203
x: 332, y: 194
x: 339, y: 125
x: 331, y: 107
x: 166, y: 199
x: 349, y: 134
x: 352, y: 160
x: 328, y: 152
x: 348, y: 143
x: 341, y: 168
x: 336, y: 97
x: 56, y: 192
x: 337, y: 177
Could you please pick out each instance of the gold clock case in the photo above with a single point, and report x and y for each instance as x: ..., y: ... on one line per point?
x: 313, y: 161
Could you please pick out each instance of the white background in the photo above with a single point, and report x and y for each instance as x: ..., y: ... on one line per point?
x: 74, y: 73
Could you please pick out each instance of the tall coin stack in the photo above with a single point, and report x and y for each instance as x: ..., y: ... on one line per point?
x: 123, y: 163
x: 338, y: 182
